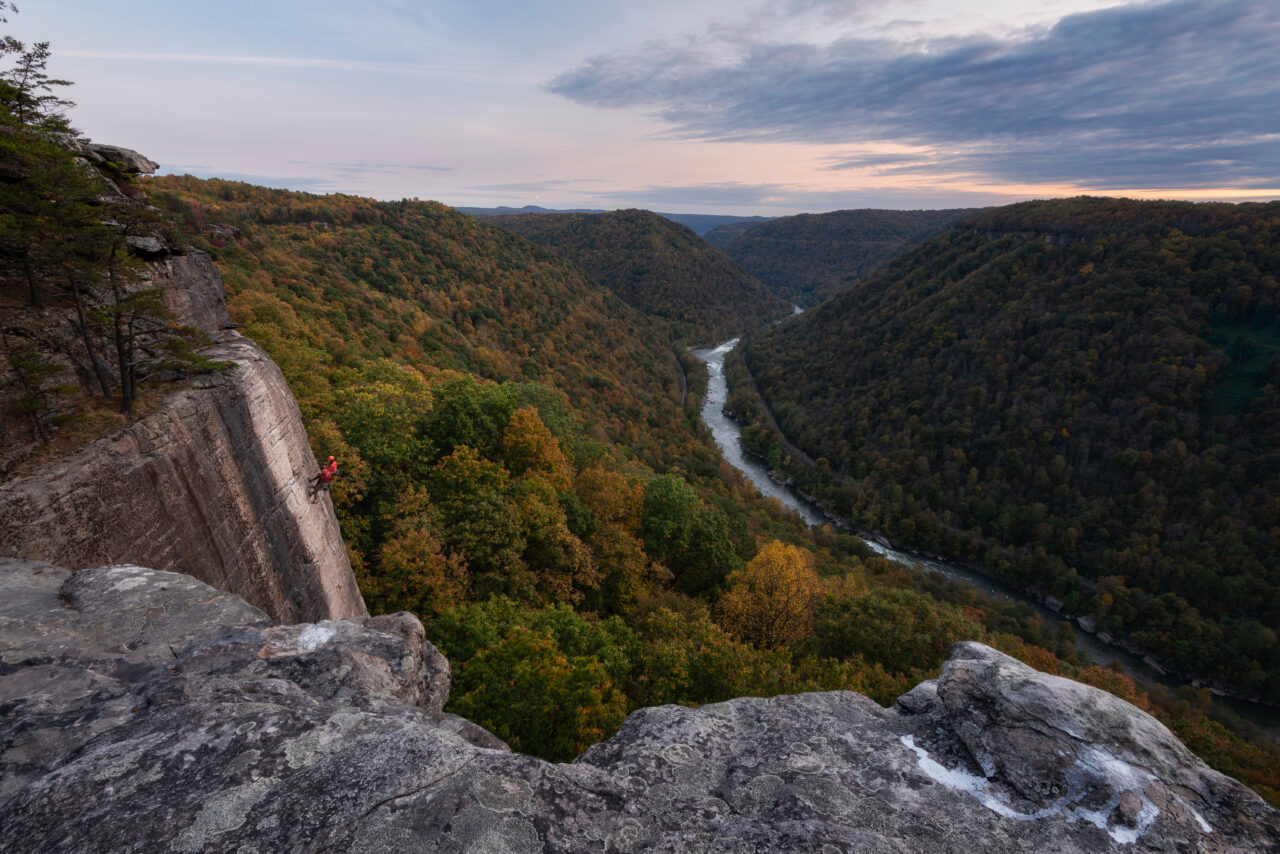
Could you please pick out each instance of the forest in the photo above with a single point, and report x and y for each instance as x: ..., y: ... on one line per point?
x: 656, y: 266
x: 1082, y: 396
x: 807, y: 258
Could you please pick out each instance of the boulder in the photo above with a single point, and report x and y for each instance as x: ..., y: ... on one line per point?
x: 1044, y: 745
x: 124, y: 159
x: 148, y: 245
x: 145, y: 711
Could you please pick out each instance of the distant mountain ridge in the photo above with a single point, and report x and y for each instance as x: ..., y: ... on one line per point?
x: 506, y: 210
x: 700, y: 224
x: 657, y: 266
x: 809, y: 257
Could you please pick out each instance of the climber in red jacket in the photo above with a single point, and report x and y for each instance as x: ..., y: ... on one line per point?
x: 324, y: 479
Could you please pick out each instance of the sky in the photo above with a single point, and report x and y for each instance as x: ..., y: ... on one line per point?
x: 707, y: 106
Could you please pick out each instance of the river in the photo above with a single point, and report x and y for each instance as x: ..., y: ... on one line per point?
x: 728, y: 436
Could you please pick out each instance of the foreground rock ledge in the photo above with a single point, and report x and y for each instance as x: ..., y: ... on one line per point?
x: 145, y: 711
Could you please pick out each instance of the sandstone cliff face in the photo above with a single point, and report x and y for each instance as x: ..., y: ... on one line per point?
x: 214, y: 484
x: 145, y: 712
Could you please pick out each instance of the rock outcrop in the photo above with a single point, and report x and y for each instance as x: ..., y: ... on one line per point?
x: 213, y: 485
x: 143, y: 711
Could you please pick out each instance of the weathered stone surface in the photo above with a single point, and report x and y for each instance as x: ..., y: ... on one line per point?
x: 193, y: 289
x: 1048, y: 745
x: 125, y: 159
x: 213, y: 485
x: 256, y: 736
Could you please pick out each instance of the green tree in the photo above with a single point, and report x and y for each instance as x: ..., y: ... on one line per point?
x: 548, y: 682
x: 477, y: 520
x: 565, y: 704
x: 33, y: 372
x: 27, y: 90
x: 902, y: 630
x: 692, y: 540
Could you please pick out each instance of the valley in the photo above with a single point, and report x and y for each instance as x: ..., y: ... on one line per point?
x: 780, y: 427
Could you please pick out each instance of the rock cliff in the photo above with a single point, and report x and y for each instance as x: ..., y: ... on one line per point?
x: 144, y: 711
x: 214, y: 484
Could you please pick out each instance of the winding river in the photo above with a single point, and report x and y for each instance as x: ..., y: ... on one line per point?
x: 728, y: 436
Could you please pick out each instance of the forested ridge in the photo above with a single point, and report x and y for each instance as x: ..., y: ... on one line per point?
x: 657, y: 266
x: 1084, y: 396
x: 809, y: 257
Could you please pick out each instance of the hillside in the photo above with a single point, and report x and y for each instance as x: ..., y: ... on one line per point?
x: 699, y: 224
x: 490, y: 504
x: 656, y: 266
x: 334, y: 281
x: 810, y: 257
x: 1084, y: 395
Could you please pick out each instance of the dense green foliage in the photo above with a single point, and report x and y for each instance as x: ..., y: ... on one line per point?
x: 810, y: 257
x: 1081, y: 394
x: 333, y: 281
x: 657, y: 266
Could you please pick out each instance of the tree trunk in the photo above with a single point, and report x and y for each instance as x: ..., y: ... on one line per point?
x: 31, y: 277
x: 99, y: 370
x: 124, y: 356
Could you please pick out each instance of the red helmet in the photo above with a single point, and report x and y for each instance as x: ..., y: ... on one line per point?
x: 330, y: 459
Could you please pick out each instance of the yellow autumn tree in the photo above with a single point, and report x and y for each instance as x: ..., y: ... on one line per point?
x: 770, y: 602
x: 529, y: 450
x: 415, y: 574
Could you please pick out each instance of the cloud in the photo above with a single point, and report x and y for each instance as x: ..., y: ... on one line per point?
x: 1183, y: 93
x: 295, y: 62
x: 876, y: 161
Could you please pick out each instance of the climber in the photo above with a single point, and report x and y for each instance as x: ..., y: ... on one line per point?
x: 323, y: 479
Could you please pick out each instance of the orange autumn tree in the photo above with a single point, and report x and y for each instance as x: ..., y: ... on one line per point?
x: 770, y: 602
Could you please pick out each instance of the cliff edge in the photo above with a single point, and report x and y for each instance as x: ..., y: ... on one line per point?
x: 144, y: 711
x: 213, y: 485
